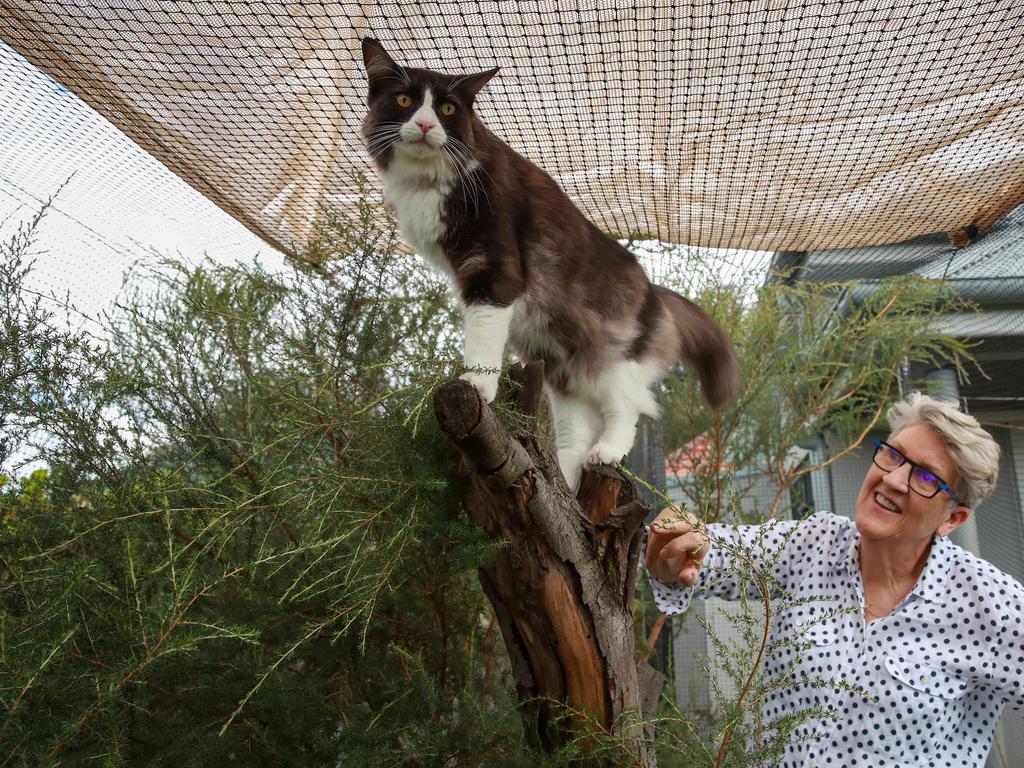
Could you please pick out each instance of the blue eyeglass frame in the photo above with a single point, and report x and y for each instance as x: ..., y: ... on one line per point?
x: 943, y: 486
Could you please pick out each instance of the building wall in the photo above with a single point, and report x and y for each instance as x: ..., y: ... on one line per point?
x: 1017, y: 446
x: 1000, y: 524
x: 689, y: 644
x: 847, y: 474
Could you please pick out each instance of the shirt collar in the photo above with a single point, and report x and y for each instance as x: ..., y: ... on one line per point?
x: 852, y: 561
x: 931, y: 584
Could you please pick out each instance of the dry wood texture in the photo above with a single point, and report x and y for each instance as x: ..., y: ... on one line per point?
x: 562, y: 589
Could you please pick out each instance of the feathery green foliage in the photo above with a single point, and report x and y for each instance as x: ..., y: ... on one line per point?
x: 245, y: 547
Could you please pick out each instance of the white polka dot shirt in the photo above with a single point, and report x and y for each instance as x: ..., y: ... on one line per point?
x: 941, y: 665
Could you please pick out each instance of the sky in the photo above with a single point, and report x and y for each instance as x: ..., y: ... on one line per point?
x: 114, y: 203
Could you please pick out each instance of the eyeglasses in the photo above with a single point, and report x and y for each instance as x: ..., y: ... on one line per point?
x: 922, y: 481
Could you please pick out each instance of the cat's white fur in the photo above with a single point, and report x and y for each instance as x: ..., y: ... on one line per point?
x: 417, y: 182
x: 484, y: 346
x: 596, y: 421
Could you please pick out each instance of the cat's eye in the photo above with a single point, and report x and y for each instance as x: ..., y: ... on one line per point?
x: 403, y: 100
x: 447, y: 109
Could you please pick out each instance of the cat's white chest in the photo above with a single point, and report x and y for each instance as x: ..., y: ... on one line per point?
x: 418, y: 201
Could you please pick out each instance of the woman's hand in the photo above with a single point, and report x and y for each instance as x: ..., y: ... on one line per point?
x: 675, y: 548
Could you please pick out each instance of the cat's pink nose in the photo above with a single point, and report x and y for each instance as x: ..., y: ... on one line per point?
x: 425, y: 126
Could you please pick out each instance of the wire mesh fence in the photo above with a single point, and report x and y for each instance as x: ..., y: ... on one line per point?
x: 747, y: 142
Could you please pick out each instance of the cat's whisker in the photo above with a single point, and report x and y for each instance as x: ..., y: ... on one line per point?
x: 379, y: 148
x: 457, y: 82
x: 470, y: 169
x: 389, y: 131
x: 398, y: 72
x: 468, y: 153
x: 461, y: 152
x: 452, y: 161
x: 380, y: 141
x: 477, y: 190
x: 474, y: 190
x: 470, y: 183
x: 383, y: 131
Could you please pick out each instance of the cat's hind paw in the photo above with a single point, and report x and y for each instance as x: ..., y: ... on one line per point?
x: 604, y: 453
x: 486, y: 384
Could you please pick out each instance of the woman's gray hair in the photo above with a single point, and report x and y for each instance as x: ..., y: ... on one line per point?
x: 974, y: 452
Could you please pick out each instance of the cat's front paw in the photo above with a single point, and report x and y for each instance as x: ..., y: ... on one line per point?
x: 486, y: 384
x: 604, y: 453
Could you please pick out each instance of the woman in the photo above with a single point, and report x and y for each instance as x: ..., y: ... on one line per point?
x: 934, y: 634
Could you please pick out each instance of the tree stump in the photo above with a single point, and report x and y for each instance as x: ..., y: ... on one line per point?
x: 563, y: 587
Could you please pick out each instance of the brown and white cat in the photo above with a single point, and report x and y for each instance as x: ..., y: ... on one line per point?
x: 530, y: 268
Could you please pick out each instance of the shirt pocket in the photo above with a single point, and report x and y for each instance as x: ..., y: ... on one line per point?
x: 820, y: 623
x: 925, y: 679
x: 930, y: 704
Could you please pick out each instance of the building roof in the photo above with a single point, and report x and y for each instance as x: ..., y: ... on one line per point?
x: 996, y: 255
x: 989, y: 273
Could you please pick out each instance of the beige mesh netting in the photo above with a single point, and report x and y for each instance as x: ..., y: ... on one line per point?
x: 777, y: 125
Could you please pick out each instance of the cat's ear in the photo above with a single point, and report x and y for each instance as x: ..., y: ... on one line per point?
x: 376, y: 60
x: 472, y: 84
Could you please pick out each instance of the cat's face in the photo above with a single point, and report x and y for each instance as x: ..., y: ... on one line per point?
x: 417, y: 114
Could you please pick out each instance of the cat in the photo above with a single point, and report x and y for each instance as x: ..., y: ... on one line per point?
x: 530, y: 268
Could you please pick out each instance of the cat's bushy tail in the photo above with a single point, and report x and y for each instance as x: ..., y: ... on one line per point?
x: 705, y: 347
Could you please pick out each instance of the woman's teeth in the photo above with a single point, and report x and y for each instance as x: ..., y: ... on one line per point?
x: 882, y: 501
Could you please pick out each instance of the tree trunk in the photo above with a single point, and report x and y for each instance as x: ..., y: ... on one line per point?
x: 562, y: 589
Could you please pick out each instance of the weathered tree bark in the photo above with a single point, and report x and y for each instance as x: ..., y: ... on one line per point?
x: 562, y: 589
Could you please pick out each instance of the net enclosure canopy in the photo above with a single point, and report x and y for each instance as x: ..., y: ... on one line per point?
x: 770, y: 125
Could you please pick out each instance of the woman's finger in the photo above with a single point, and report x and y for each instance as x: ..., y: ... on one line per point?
x: 657, y: 539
